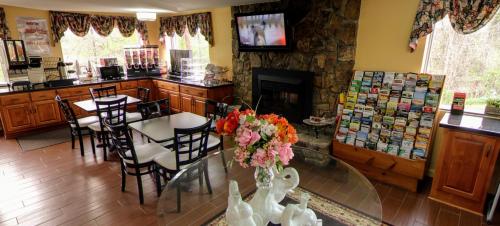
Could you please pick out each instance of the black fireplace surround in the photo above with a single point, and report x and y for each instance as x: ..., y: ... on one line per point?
x: 284, y: 92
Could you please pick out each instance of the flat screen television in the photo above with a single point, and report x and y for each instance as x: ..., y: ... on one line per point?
x: 262, y: 31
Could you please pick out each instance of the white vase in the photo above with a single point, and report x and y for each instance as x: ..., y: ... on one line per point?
x: 264, y: 177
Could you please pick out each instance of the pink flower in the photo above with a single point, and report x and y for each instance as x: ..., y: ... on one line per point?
x: 241, y: 156
x: 248, y: 137
x: 259, y: 158
x: 285, y: 152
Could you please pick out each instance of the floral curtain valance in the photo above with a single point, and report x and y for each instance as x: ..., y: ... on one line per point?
x: 178, y: 24
x: 80, y: 24
x: 466, y: 16
x: 4, y: 30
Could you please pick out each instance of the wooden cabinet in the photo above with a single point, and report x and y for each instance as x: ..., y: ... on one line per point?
x: 17, y: 117
x: 199, y: 106
x: 175, y: 101
x: 186, y: 103
x: 46, y: 112
x: 464, y: 169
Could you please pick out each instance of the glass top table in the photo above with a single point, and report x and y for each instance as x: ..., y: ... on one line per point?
x: 339, y: 194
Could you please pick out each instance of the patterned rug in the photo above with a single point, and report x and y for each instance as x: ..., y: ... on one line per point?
x: 330, y: 212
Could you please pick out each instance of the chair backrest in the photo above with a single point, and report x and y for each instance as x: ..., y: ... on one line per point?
x: 121, y: 140
x: 143, y: 94
x: 112, y: 112
x: 154, y: 109
x: 68, y: 112
x: 215, y: 110
x: 190, y: 144
x: 102, y: 92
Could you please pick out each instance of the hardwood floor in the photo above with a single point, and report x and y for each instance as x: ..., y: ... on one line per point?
x: 56, y: 186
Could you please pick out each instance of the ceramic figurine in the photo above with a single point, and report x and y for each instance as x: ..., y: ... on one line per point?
x: 239, y: 213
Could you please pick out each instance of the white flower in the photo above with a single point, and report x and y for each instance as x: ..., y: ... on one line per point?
x: 243, y: 118
x: 267, y: 130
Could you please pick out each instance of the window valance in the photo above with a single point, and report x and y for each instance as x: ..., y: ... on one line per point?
x: 466, y: 16
x: 80, y: 23
x: 178, y: 24
x: 4, y: 30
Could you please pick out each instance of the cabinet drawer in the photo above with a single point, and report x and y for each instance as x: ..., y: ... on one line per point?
x: 198, y: 92
x: 168, y: 86
x: 76, y: 91
x: 15, y: 99
x: 43, y: 95
x: 129, y: 85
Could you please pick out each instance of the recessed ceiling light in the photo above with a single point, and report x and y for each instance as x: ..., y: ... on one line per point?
x: 146, y: 16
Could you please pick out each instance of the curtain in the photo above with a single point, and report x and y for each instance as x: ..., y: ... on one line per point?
x: 80, y: 23
x: 193, y: 22
x: 466, y: 16
x: 4, y: 30
x: 103, y: 25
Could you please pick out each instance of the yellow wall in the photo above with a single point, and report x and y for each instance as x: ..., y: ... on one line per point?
x: 383, y: 33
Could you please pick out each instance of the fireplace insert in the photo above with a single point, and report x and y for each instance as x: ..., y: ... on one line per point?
x: 284, y: 92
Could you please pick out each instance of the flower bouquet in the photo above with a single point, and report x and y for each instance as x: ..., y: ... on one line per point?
x: 263, y: 141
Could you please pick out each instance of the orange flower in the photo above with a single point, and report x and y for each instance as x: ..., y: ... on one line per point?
x: 228, y: 125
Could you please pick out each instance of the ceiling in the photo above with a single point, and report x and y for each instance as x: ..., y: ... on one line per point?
x: 123, y: 6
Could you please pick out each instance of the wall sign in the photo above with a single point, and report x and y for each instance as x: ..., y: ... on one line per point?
x: 35, y: 33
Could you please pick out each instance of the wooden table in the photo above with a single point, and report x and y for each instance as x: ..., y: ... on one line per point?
x: 90, y: 106
x: 162, y: 129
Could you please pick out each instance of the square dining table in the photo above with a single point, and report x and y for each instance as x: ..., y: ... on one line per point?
x: 90, y: 106
x: 162, y: 129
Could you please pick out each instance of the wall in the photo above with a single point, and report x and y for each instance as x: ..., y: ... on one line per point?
x: 324, y: 42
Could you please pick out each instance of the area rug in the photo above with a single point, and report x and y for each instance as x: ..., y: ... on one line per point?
x: 330, y: 212
x: 44, y: 139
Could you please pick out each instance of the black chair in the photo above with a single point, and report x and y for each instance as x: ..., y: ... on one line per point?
x: 102, y: 92
x: 78, y: 127
x: 216, y: 110
x: 143, y: 94
x: 113, y: 111
x: 190, y: 146
x: 135, y: 160
x: 154, y: 109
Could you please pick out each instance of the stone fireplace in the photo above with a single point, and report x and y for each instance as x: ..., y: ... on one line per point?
x: 323, y: 43
x: 283, y: 92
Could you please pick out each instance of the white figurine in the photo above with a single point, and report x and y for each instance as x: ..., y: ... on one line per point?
x: 238, y: 212
x: 299, y: 214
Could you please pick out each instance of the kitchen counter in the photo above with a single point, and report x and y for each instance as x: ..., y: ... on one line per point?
x: 202, y: 84
x: 476, y: 124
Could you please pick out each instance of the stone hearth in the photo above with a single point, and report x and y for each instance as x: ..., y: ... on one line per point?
x: 324, y: 42
x: 312, y: 149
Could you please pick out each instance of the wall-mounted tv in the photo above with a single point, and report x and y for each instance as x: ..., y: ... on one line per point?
x: 262, y: 31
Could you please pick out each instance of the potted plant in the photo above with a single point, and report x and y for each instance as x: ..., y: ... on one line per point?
x: 492, y: 106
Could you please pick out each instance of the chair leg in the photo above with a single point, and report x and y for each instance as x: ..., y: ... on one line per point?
x: 92, y: 143
x: 207, y: 178
x: 223, y: 157
x: 80, y: 140
x: 139, y: 185
x: 200, y: 176
x: 158, y: 180
x: 178, y: 198
x: 124, y: 175
x: 72, y: 140
x: 104, y: 146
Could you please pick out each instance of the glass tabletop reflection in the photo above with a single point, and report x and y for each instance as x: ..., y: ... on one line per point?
x: 339, y: 192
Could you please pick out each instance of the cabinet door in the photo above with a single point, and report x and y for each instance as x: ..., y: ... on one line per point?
x: 17, y: 117
x: 466, y: 165
x: 186, y: 103
x: 46, y: 112
x: 199, y: 106
x: 175, y: 101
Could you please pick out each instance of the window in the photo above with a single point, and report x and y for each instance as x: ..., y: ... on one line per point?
x: 470, y: 62
x: 197, y: 44
x: 93, y: 47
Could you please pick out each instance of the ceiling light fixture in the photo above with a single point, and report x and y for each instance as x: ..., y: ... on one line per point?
x: 146, y: 16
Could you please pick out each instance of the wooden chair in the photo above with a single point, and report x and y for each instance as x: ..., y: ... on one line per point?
x: 78, y: 127
x: 135, y: 160
x: 190, y: 146
x: 154, y: 109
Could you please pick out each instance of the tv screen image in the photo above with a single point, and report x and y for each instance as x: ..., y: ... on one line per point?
x: 264, y: 30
